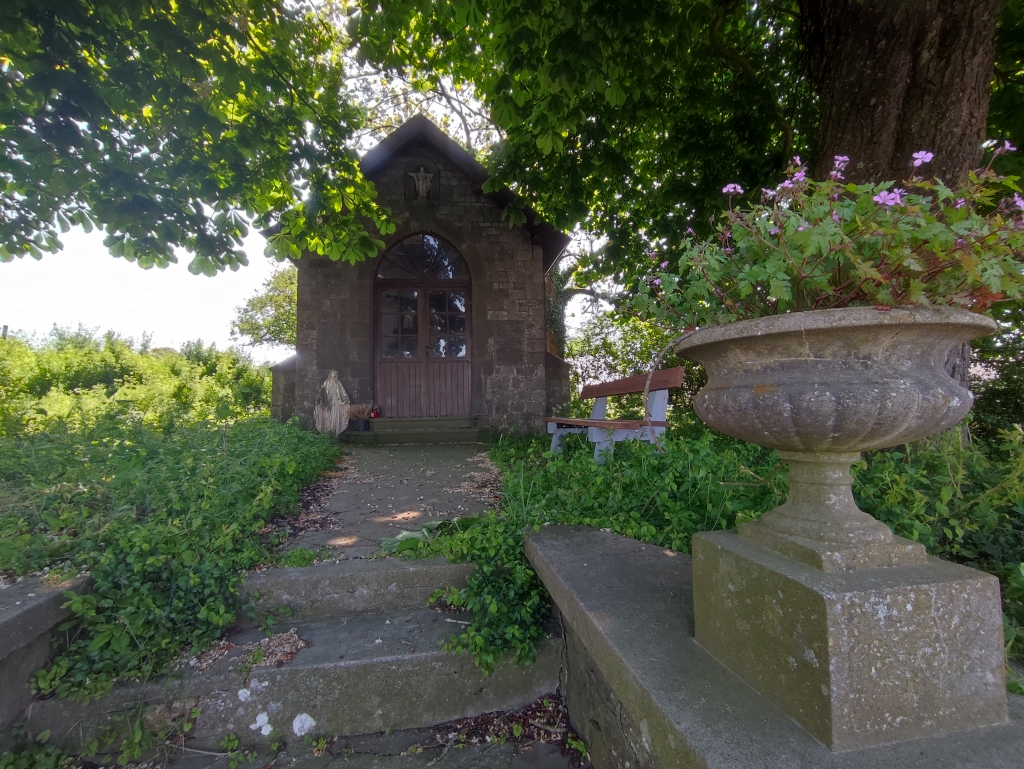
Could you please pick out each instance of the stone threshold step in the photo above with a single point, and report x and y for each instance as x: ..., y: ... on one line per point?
x: 359, y: 674
x: 386, y: 424
x: 461, y: 435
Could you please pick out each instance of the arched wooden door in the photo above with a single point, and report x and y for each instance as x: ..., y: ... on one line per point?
x: 423, y: 329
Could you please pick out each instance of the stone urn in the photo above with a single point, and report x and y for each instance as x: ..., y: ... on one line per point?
x: 820, y: 387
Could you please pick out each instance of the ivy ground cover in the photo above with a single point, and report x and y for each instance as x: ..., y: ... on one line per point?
x: 156, y: 473
x: 964, y: 501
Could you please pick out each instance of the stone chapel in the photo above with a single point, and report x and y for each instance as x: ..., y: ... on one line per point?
x: 450, y: 319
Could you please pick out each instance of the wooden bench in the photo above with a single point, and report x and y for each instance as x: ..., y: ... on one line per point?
x: 604, y: 433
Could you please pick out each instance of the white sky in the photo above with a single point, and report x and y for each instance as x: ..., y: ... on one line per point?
x: 85, y: 284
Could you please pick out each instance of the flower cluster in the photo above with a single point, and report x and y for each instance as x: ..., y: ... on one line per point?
x: 823, y: 244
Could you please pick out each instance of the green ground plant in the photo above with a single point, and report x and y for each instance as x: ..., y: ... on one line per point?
x: 963, y: 500
x: 154, y: 471
x: 702, y: 482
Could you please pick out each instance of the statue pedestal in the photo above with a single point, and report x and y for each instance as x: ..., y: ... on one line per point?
x: 859, y: 658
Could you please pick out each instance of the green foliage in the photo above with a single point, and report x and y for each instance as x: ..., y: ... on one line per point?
x: 172, y: 124
x: 75, y: 378
x: 962, y: 501
x: 998, y: 385
x: 159, y: 491
x: 658, y: 498
x: 815, y: 245
x: 36, y: 755
x: 298, y: 556
x: 410, y: 540
x: 269, y: 317
x: 1006, y: 109
x: 628, y: 118
x: 611, y: 346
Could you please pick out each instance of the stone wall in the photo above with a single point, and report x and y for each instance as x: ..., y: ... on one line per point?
x: 611, y: 734
x: 558, y: 385
x: 30, y: 613
x: 334, y: 331
x: 282, y: 392
x: 335, y: 312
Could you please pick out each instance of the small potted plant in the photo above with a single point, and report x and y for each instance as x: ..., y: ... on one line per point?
x: 823, y: 316
x: 359, y: 417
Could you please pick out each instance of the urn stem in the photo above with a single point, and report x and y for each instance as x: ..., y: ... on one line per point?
x: 820, y: 523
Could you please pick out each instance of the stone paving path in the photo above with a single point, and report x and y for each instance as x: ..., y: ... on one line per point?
x: 381, y: 490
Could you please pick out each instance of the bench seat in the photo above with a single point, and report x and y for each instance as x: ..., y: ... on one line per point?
x: 604, y: 433
x: 611, y: 424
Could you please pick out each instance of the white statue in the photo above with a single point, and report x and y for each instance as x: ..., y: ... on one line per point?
x: 422, y: 180
x: 331, y: 412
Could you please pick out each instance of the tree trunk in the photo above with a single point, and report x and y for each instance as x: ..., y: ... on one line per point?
x: 897, y: 76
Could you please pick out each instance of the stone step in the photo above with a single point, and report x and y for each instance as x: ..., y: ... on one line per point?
x: 333, y: 589
x: 394, y: 750
x: 367, y: 754
x: 402, y: 424
x: 358, y: 675
x: 406, y: 436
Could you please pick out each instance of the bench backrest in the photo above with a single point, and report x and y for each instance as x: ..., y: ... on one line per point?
x: 665, y: 379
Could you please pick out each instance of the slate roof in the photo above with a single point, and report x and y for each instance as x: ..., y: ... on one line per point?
x: 419, y: 129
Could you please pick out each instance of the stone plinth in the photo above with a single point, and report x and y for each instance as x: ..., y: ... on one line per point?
x: 641, y: 690
x: 859, y: 658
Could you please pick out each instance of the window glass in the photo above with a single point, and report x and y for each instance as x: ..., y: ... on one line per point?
x: 423, y: 257
x: 448, y: 324
x: 399, y: 325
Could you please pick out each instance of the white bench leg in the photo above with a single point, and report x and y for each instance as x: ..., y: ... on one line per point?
x: 555, y: 439
x: 599, y: 448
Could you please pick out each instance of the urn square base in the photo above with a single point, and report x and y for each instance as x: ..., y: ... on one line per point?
x: 858, y: 658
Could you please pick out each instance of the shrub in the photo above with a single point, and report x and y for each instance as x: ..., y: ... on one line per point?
x: 813, y: 245
x: 160, y: 489
x: 962, y: 501
x: 702, y: 483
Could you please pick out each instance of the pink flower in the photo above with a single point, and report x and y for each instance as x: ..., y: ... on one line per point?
x: 657, y: 281
x: 1007, y: 147
x: 841, y: 161
x: 664, y: 265
x: 887, y: 198
x: 921, y: 157
x: 835, y: 176
x: 835, y: 216
x: 1019, y: 201
x: 800, y: 176
x: 774, y: 231
x: 767, y: 193
x: 797, y: 161
x: 732, y: 189
x: 786, y: 185
x: 960, y: 203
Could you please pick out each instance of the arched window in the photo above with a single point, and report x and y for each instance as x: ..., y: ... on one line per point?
x: 423, y: 258
x: 423, y: 300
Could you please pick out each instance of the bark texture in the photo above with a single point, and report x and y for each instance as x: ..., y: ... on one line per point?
x: 898, y: 76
